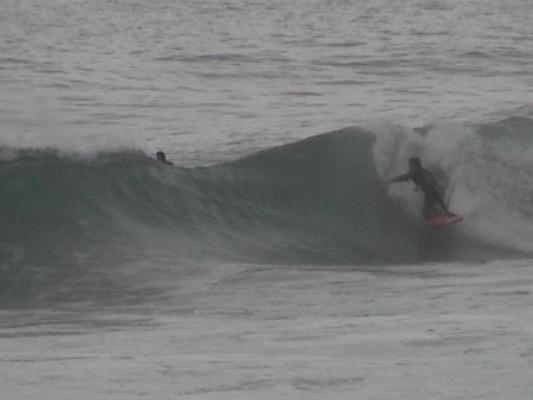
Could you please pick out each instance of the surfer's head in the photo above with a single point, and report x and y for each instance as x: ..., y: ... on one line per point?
x: 161, y: 156
x: 414, y: 164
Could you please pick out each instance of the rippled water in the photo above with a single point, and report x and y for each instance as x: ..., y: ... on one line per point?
x: 275, y: 276
x: 213, y: 79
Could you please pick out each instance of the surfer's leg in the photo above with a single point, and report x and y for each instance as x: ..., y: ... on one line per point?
x: 428, y: 210
x: 437, y: 199
x: 441, y: 203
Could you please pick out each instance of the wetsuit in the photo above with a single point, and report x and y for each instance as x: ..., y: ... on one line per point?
x: 426, y: 182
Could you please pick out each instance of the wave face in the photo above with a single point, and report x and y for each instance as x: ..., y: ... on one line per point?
x: 69, y: 220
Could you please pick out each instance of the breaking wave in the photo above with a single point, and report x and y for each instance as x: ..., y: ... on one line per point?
x: 321, y: 200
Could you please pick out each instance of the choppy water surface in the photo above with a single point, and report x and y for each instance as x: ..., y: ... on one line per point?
x: 210, y: 79
x: 294, y: 272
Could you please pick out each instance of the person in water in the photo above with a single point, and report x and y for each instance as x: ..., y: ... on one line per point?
x: 426, y: 182
x: 161, y: 157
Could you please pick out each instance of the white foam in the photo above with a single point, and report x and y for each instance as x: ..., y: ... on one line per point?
x: 489, y: 180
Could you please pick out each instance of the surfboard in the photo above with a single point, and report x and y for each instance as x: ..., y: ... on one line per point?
x: 442, y: 220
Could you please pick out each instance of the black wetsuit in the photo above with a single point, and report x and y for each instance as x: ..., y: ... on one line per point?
x: 426, y: 182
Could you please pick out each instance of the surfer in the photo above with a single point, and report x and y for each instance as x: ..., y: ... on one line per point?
x: 161, y: 157
x: 426, y: 182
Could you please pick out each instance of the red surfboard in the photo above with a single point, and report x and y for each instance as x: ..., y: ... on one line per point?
x: 442, y: 220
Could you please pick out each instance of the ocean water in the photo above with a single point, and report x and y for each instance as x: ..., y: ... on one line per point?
x: 271, y: 261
